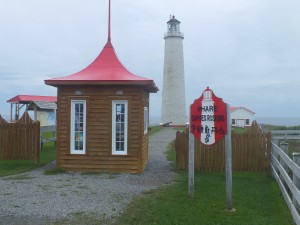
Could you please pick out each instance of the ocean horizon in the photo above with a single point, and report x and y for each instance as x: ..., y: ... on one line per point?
x: 279, y: 121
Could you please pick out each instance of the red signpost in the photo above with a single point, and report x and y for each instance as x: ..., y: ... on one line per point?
x: 210, y: 122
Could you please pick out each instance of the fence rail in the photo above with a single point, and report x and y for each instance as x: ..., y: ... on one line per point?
x: 20, y: 140
x: 286, y: 134
x: 287, y: 174
x: 250, y: 152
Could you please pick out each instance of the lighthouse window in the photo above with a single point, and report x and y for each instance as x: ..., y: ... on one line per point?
x: 78, y: 126
x: 173, y: 27
x: 119, y: 127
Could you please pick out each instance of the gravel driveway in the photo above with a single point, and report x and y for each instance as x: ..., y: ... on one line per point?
x: 34, y: 198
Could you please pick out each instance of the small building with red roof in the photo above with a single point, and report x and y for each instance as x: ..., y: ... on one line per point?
x: 44, y: 108
x: 103, y: 116
x: 241, y: 116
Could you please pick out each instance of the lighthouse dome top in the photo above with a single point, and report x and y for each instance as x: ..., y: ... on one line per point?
x: 173, y: 20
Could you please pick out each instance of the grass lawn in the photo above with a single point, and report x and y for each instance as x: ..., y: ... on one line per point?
x: 256, y: 198
x: 239, y: 130
x: 10, y: 167
x: 154, y: 129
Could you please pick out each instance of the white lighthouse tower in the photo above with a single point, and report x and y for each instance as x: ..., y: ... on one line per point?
x: 173, y: 96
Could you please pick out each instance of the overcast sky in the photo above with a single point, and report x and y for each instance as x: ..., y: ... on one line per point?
x: 246, y: 51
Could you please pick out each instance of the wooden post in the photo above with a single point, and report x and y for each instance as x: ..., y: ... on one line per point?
x: 191, y: 164
x: 35, y: 113
x: 296, y: 180
x: 285, y: 147
x: 228, y: 164
x: 276, y: 155
x: 11, y: 109
x: 37, y: 141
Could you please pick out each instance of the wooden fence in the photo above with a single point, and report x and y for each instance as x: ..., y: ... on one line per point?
x: 250, y: 152
x: 20, y: 140
x: 287, y: 174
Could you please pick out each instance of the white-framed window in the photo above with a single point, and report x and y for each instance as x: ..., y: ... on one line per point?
x: 146, y: 120
x: 119, y: 127
x: 78, y: 127
x: 247, y: 122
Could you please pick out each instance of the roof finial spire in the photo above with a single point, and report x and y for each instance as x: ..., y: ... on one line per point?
x: 108, y: 38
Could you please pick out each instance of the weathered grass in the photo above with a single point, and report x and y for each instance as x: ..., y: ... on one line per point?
x: 19, y: 177
x: 256, y: 199
x: 278, y: 127
x: 54, y: 171
x: 154, y: 129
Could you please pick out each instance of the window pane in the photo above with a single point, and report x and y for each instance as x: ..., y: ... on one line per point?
x: 146, y: 120
x: 78, y: 121
x: 119, y: 127
x: 118, y: 117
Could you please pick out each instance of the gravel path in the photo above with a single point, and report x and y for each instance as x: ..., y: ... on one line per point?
x: 34, y: 198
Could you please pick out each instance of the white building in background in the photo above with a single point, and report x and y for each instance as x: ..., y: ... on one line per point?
x: 241, y: 117
x: 173, y: 108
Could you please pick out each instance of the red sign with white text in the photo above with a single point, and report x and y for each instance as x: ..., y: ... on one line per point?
x: 208, y: 119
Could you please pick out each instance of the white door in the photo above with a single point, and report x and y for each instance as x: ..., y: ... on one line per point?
x: 240, y: 123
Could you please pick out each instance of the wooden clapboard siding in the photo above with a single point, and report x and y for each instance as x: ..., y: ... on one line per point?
x: 98, y: 157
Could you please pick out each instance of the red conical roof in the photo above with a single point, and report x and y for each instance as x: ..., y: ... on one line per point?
x: 105, y: 70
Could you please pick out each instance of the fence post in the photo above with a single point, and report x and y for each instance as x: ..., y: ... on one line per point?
x: 228, y: 163
x: 276, y: 141
x: 296, y: 180
x: 285, y: 147
x: 37, y: 136
x: 191, y: 166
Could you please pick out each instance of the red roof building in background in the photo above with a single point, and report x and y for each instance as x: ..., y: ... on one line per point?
x: 31, y: 102
x: 241, y: 116
x: 32, y: 98
x: 234, y: 108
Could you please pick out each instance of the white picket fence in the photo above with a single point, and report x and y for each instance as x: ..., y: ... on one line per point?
x: 287, y: 173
